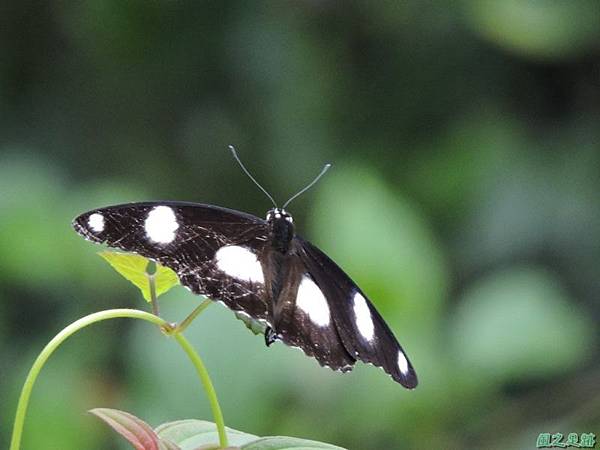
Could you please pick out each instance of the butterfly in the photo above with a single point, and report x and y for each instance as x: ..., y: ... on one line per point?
x: 261, y: 269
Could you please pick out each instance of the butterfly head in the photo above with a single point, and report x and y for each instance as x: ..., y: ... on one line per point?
x: 278, y: 214
x: 281, y: 227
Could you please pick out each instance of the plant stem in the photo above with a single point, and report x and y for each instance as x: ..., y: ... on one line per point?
x: 71, y: 329
x: 181, y: 326
x: 208, y: 387
x: 200, y: 368
x: 155, y: 309
x: 151, y: 275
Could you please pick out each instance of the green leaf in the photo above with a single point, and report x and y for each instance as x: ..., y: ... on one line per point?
x: 287, y: 443
x: 192, y: 434
x: 134, y: 268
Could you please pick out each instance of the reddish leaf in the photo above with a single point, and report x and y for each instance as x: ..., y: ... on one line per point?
x: 135, y: 430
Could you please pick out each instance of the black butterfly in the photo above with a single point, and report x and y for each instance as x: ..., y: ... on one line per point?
x: 261, y: 269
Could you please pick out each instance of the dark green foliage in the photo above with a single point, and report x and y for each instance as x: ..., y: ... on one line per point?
x: 463, y: 198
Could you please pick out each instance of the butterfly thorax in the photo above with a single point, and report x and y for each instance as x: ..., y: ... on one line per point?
x: 281, y: 229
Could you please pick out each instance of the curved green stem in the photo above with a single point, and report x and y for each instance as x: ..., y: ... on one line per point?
x: 97, y: 317
x: 208, y: 387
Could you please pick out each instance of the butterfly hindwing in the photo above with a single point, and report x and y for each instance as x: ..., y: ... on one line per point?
x: 362, y: 330
x: 303, y: 319
x: 213, y: 250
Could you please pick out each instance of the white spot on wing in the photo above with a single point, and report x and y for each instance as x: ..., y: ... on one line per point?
x: 239, y: 262
x: 96, y: 222
x: 364, y: 321
x: 161, y: 224
x: 311, y: 300
x: 402, y: 363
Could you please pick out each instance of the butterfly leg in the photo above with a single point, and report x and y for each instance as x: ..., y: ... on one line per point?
x: 270, y: 336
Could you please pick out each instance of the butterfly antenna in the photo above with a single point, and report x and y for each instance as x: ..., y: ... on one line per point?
x: 237, y: 158
x: 325, y: 169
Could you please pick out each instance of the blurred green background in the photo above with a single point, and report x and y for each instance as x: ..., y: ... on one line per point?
x: 464, y: 199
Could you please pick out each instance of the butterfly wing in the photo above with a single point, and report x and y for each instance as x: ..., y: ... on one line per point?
x: 213, y: 250
x: 303, y: 319
x: 362, y: 332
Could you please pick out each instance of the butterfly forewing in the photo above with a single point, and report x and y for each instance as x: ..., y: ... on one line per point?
x: 213, y: 250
